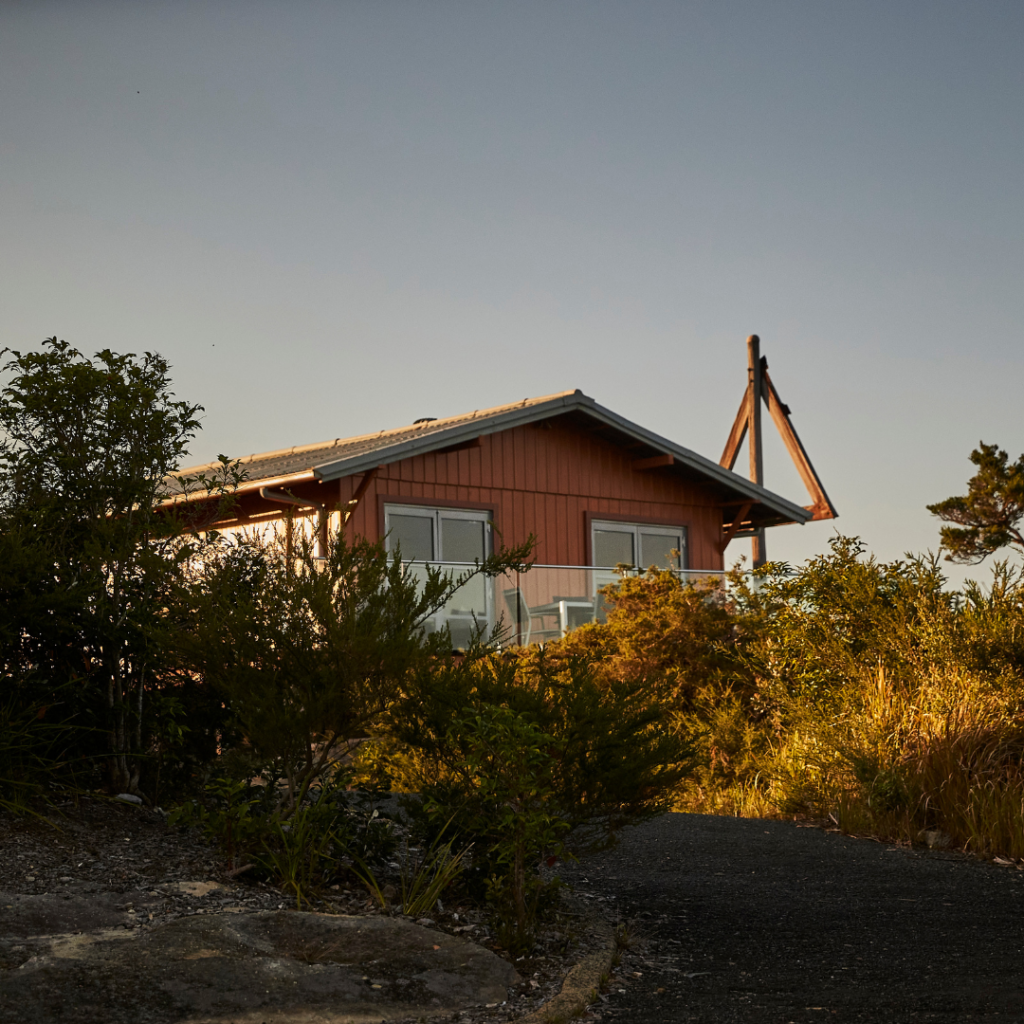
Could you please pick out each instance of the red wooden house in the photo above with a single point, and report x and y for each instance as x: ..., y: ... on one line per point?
x: 594, y: 489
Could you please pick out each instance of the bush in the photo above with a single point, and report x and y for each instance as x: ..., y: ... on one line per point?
x: 308, y: 652
x: 849, y: 688
x: 531, y: 759
x: 303, y: 851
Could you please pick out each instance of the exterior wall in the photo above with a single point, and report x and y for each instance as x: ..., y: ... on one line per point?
x: 548, y: 479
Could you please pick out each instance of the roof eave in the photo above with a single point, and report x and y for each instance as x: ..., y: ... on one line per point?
x: 245, y: 487
x: 450, y: 437
x: 788, y: 510
x: 726, y: 477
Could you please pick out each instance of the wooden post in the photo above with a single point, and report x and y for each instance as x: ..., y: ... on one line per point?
x: 748, y: 424
x: 755, y: 388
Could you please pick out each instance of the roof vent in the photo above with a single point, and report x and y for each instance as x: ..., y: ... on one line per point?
x: 424, y: 419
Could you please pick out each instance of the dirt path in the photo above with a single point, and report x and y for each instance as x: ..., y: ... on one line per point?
x: 742, y: 920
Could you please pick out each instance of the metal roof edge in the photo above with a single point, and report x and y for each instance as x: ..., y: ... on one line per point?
x: 720, y: 474
x: 556, y: 406
x: 449, y: 436
x: 245, y: 487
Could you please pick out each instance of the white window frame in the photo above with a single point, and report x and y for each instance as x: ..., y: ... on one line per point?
x: 456, y: 621
x: 604, y: 575
x: 436, y: 514
x: 636, y: 528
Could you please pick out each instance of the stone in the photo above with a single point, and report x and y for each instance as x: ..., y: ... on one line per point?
x: 278, y: 967
x: 935, y: 839
x: 196, y: 888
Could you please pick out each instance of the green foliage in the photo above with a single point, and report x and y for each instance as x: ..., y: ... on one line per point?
x: 679, y: 642
x: 988, y: 517
x: 660, y: 633
x: 867, y: 674
x: 532, y: 759
x: 802, y: 634
x: 236, y: 813
x: 847, y: 687
x: 424, y: 882
x: 310, y: 651
x: 305, y: 850
x: 33, y: 750
x: 86, y: 559
x: 301, y: 851
x: 423, y: 875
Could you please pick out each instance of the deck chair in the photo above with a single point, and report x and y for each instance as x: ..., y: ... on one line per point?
x: 522, y: 619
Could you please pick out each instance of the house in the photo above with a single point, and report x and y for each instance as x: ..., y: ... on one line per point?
x: 595, y: 490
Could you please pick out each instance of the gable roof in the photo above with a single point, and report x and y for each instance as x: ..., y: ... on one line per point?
x: 342, y: 457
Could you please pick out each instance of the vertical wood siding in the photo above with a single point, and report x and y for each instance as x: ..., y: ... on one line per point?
x: 541, y: 479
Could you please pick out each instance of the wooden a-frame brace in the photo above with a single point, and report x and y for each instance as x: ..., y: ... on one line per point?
x: 748, y: 421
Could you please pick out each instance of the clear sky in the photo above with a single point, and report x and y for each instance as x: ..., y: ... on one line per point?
x: 339, y: 217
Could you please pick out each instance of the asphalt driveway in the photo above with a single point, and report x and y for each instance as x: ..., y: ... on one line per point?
x: 743, y: 920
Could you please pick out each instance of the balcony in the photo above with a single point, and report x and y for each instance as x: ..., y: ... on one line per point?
x: 542, y: 604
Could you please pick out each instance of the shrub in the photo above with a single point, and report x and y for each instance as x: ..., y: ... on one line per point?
x: 531, y: 759
x: 310, y: 652
x: 302, y: 851
x: 848, y: 688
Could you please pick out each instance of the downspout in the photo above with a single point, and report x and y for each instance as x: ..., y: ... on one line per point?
x: 287, y: 498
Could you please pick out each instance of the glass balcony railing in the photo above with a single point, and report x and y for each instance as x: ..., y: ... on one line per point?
x: 532, y: 607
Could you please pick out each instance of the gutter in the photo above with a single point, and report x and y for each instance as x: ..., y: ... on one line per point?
x: 245, y: 488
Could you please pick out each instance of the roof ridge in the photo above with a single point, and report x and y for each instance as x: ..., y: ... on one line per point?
x: 425, y: 426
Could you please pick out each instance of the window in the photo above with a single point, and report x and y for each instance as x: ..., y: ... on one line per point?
x: 437, y: 534
x: 637, y: 544
x: 450, y: 536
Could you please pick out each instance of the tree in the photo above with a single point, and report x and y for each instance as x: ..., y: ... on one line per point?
x: 988, y: 517
x: 310, y: 651
x: 84, y: 446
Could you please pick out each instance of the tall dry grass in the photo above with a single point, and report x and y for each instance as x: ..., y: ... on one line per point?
x: 851, y: 689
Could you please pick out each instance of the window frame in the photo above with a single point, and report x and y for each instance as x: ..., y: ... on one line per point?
x: 623, y: 523
x: 458, y: 621
x: 435, y: 512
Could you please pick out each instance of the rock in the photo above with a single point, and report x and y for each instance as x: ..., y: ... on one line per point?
x: 196, y: 888
x: 935, y: 839
x: 128, y: 798
x: 28, y: 915
x: 281, y: 967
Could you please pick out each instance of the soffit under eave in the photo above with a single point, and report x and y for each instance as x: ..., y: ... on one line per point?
x: 731, y: 489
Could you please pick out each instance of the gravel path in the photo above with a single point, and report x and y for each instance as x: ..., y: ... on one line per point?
x: 741, y: 920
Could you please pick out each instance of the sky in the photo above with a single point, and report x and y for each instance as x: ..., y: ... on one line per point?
x: 335, y: 218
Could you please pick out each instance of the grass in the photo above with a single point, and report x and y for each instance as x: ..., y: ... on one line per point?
x: 894, y: 760
x: 847, y: 689
x: 423, y: 878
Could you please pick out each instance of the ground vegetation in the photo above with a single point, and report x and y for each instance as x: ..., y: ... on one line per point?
x: 865, y: 692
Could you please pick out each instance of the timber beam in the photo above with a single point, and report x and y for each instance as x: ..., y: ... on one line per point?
x: 353, y: 502
x: 748, y: 423
x: 736, y: 523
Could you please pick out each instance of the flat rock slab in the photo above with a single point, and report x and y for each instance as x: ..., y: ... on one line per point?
x: 26, y: 916
x: 277, y: 967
